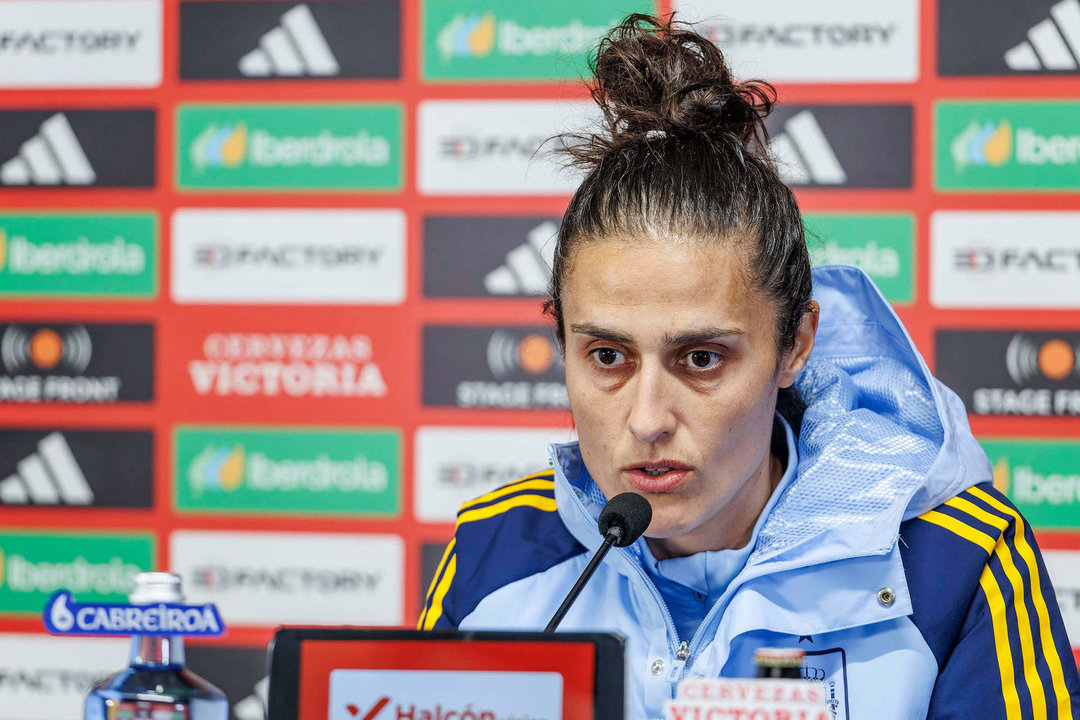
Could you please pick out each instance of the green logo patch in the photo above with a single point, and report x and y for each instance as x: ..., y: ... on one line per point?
x: 338, y: 472
x: 1041, y: 477
x: 508, y: 39
x: 882, y: 245
x: 1007, y: 145
x: 78, y: 255
x: 293, y: 147
x: 95, y: 568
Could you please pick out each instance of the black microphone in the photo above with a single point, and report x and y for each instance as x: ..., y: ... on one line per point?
x: 622, y: 521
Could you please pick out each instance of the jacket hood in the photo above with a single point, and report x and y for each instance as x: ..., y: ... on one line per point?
x: 881, y: 440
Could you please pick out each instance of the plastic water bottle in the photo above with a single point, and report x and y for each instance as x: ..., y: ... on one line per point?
x: 156, y: 685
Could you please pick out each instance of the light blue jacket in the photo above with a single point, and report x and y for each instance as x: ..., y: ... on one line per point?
x: 914, y: 587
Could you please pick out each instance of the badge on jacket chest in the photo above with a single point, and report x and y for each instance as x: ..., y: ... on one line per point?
x: 829, y: 667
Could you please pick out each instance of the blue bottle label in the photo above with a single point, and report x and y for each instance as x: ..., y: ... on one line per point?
x: 64, y: 616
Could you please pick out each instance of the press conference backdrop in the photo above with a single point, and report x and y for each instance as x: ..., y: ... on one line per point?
x: 270, y: 274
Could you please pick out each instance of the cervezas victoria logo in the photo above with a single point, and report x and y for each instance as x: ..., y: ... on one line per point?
x: 287, y: 365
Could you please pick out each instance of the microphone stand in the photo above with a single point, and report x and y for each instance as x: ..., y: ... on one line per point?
x: 610, y: 538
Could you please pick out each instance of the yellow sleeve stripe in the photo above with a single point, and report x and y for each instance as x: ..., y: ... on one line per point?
x: 435, y: 611
x: 1053, y: 662
x: 539, y: 502
x: 438, y: 593
x: 529, y: 483
x: 958, y: 528
x: 1023, y: 619
x: 999, y: 621
x: 434, y: 580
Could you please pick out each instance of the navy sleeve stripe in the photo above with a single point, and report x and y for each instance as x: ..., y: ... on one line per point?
x: 991, y: 531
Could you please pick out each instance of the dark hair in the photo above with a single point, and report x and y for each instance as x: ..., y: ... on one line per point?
x: 682, y: 151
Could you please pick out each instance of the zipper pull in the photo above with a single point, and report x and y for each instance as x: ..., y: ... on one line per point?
x: 682, y: 654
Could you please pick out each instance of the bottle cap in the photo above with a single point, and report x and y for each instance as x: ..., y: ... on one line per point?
x: 156, y: 587
x: 779, y: 657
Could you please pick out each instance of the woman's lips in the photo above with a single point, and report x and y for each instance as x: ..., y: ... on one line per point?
x: 674, y: 475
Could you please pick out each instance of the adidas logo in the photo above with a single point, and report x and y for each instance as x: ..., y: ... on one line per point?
x: 803, y: 155
x: 1053, y: 44
x: 52, y: 157
x: 253, y: 707
x: 296, y: 47
x: 48, y: 477
x: 527, y: 268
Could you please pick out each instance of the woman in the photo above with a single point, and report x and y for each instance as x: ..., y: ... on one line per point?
x: 812, y: 484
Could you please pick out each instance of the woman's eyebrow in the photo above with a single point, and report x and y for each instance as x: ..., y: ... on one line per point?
x: 688, y: 337
x: 600, y: 333
x: 692, y: 337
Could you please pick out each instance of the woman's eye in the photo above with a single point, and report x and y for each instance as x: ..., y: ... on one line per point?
x: 607, y: 356
x: 703, y: 359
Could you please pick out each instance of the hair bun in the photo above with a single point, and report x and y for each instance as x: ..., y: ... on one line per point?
x: 658, y: 75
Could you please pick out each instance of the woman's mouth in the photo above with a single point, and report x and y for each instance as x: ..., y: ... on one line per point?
x: 657, y: 477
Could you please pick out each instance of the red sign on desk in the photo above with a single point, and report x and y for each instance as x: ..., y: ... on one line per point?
x: 440, y: 680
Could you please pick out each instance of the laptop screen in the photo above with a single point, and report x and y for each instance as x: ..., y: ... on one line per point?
x: 354, y: 674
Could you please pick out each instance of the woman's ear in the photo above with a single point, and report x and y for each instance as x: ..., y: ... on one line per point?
x: 795, y: 360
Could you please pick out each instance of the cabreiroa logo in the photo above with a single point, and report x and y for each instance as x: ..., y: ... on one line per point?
x: 824, y: 41
x: 80, y: 43
x: 259, y: 39
x: 1003, y: 372
x: 504, y: 39
x: 492, y: 367
x: 295, y: 147
x: 882, y: 245
x: 1007, y: 145
x: 95, y: 568
x: 1042, y: 477
x: 346, y: 472
x: 67, y: 255
x: 1040, y: 37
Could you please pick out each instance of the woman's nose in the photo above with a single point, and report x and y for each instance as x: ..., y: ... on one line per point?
x: 651, y: 414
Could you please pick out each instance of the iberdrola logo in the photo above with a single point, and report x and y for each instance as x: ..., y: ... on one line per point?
x: 217, y: 469
x: 220, y: 146
x: 3, y: 248
x: 1002, y: 481
x: 983, y: 144
x: 468, y: 36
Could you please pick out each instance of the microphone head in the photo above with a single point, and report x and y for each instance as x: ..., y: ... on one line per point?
x: 630, y: 513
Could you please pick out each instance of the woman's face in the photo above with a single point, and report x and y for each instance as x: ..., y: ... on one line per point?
x: 672, y: 373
